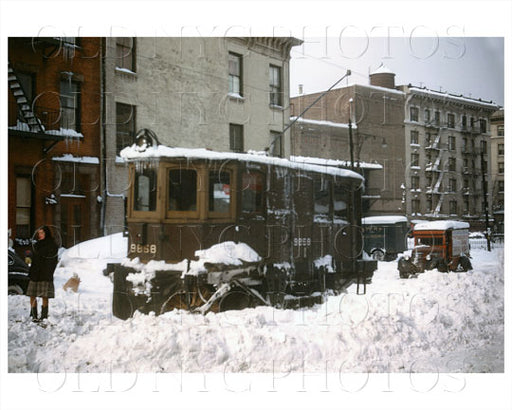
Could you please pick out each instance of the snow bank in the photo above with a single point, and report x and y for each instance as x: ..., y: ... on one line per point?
x: 447, y: 322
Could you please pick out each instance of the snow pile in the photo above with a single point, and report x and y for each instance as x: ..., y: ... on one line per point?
x: 437, y: 322
x: 228, y: 253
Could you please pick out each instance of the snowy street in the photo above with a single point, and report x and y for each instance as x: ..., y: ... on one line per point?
x: 437, y: 322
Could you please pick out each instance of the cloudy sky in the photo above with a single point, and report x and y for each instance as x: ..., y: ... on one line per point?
x: 472, y: 66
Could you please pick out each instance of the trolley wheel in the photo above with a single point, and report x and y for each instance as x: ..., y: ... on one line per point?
x: 177, y: 300
x: 237, y: 299
x: 378, y: 255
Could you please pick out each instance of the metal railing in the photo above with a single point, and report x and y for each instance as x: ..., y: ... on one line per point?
x: 51, y: 118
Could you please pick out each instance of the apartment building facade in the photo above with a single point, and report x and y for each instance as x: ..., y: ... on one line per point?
x: 497, y: 187
x: 434, y: 146
x: 54, y: 138
x: 226, y: 94
x: 447, y: 140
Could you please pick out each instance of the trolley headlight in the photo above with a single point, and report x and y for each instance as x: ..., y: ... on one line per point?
x: 428, y: 257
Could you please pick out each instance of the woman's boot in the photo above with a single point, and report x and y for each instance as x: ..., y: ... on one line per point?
x: 33, y: 313
x: 44, y: 312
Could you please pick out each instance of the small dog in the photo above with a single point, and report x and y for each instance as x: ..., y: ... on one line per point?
x: 72, y: 283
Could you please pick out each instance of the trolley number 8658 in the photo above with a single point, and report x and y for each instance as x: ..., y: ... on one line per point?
x: 138, y: 248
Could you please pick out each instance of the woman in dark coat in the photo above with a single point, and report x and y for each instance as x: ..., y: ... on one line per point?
x: 44, y: 262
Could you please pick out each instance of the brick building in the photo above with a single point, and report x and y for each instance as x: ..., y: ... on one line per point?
x: 376, y: 112
x: 54, y: 138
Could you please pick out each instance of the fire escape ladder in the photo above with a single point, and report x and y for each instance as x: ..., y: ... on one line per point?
x: 24, y: 105
x: 441, y: 169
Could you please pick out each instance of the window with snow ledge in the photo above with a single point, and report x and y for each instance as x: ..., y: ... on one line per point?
x: 126, y: 72
x: 126, y: 54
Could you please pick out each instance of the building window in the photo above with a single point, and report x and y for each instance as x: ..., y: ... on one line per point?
x: 125, y: 53
x: 437, y: 117
x: 464, y: 144
x: 452, y: 185
x: 70, y: 105
x: 501, y: 149
x: 235, y: 74
x: 414, y: 113
x: 415, y: 159
x: 501, y: 187
x: 276, y: 144
x: 450, y: 119
x: 453, y: 207
x: 429, y: 205
x: 125, y: 126
x: 236, y: 137
x: 23, y: 206
x: 464, y: 122
x: 428, y: 139
x: 415, y: 182
x: 451, y: 143
x: 501, y: 167
x: 427, y: 115
x: 414, y: 137
x: 483, y: 126
x: 452, y: 163
x: 276, y: 92
x: 415, y: 205
x: 501, y: 130
x: 466, y: 183
x: 466, y: 207
x: 484, y: 147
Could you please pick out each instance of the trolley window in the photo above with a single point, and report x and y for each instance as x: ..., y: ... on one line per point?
x: 219, y: 200
x: 253, y: 183
x: 182, y: 190
x: 145, y: 191
x: 322, y: 186
x: 341, y: 201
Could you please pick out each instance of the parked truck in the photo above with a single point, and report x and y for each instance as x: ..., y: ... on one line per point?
x: 441, y: 245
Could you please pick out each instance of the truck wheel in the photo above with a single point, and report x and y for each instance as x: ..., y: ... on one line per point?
x: 15, y: 290
x: 404, y: 275
x: 378, y: 255
x: 442, y: 266
x: 465, y: 263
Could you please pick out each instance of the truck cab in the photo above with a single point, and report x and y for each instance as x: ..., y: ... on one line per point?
x: 441, y: 245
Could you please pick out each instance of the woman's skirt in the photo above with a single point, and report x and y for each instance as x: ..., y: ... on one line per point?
x: 41, y: 289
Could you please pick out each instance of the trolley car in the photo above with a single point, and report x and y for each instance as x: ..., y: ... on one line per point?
x: 302, y: 221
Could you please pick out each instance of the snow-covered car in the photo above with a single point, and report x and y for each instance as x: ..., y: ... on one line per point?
x: 18, y: 274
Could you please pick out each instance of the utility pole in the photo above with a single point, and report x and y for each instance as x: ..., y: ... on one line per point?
x: 484, y: 188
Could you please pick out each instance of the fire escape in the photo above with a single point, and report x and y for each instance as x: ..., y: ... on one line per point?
x: 31, y: 120
x: 437, y: 170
